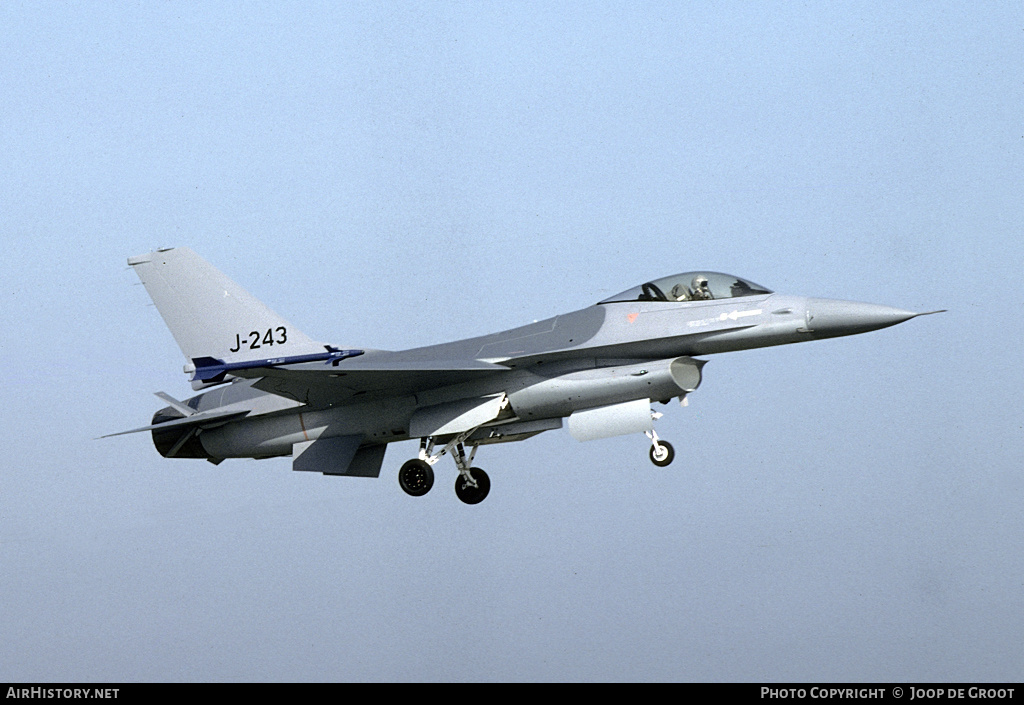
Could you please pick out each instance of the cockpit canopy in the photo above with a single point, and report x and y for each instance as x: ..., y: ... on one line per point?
x: 691, y: 286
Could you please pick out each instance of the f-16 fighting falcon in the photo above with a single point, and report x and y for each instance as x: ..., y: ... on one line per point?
x: 270, y: 390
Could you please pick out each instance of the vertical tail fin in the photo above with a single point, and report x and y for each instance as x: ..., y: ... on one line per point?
x: 209, y: 315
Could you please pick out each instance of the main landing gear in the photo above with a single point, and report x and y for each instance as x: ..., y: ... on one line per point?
x: 472, y: 486
x: 416, y: 476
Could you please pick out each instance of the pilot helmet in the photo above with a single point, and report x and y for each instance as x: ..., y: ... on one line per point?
x: 700, y: 283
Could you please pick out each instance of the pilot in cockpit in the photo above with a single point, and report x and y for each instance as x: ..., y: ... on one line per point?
x: 699, y: 290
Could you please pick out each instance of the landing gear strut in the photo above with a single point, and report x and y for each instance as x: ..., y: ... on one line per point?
x: 472, y: 484
x: 416, y: 476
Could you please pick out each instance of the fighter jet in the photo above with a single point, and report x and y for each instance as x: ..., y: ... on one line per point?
x: 269, y: 390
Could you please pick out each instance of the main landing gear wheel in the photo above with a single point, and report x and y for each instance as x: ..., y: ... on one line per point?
x: 467, y: 492
x: 662, y: 453
x: 416, y: 477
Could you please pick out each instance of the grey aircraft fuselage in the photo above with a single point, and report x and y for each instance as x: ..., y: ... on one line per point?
x: 601, y: 367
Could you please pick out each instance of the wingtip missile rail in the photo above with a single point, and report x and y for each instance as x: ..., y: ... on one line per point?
x: 211, y: 370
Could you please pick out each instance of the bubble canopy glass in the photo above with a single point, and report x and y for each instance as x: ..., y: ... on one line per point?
x: 691, y: 286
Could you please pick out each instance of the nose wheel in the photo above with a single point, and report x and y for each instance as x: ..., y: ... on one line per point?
x: 662, y: 453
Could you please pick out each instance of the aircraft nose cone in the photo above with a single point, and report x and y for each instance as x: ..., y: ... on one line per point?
x: 828, y: 318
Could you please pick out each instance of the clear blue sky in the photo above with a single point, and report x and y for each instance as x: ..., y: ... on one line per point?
x: 397, y: 174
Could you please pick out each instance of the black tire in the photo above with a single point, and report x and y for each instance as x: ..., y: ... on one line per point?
x: 469, y: 494
x: 416, y: 477
x: 669, y: 456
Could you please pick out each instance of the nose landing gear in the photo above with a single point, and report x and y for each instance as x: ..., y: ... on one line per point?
x: 662, y: 453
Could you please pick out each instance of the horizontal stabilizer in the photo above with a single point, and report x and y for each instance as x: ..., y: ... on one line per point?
x: 204, y: 419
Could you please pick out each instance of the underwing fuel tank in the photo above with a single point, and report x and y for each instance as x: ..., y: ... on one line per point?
x: 562, y: 394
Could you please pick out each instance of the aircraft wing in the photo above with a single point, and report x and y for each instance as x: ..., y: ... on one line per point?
x: 323, y: 385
